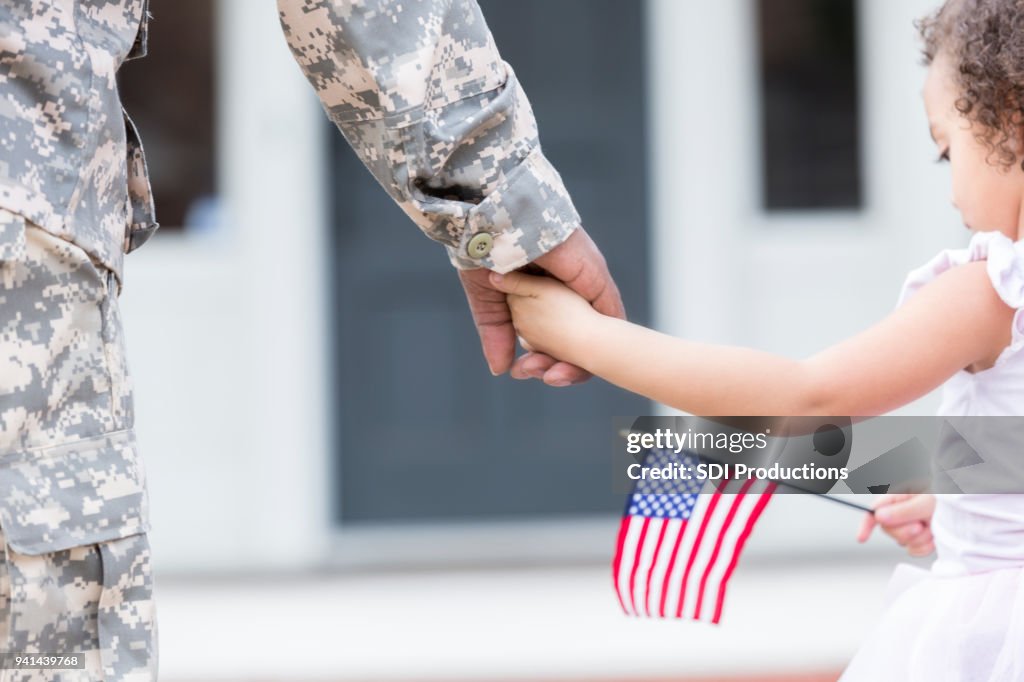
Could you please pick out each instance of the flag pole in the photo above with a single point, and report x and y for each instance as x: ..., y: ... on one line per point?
x: 837, y: 500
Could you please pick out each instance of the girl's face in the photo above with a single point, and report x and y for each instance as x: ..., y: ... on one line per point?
x: 988, y: 196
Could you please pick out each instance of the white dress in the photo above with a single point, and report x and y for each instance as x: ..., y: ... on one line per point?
x: 963, y: 620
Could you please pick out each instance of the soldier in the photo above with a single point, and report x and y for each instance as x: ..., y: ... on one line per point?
x: 74, y: 199
x: 420, y: 92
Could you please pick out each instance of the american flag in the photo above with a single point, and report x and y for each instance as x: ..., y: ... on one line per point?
x: 680, y: 540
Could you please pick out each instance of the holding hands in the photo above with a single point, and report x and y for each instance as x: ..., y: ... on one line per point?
x: 548, y: 316
x: 579, y: 264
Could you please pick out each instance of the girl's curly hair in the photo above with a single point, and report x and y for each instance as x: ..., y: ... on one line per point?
x: 985, y: 41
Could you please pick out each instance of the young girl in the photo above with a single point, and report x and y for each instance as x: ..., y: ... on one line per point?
x: 965, y: 620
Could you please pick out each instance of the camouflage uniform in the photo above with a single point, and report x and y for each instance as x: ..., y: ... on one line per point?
x: 73, y: 507
x: 75, y: 576
x: 417, y: 88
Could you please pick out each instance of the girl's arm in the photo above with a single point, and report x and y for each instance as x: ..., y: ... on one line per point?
x: 952, y: 322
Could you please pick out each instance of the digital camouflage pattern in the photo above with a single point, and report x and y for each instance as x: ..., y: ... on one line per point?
x: 419, y: 90
x: 417, y: 87
x: 64, y: 141
x: 74, y: 511
x: 74, y: 197
x: 95, y: 601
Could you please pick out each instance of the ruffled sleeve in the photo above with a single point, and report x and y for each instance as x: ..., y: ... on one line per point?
x: 1006, y: 269
x: 1004, y: 264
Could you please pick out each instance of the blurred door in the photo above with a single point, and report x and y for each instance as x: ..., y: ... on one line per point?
x: 422, y: 430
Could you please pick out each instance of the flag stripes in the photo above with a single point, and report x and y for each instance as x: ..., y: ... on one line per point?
x: 678, y: 546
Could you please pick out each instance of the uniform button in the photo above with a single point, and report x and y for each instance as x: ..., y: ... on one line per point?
x: 480, y: 245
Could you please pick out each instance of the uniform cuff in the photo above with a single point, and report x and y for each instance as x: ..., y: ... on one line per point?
x: 525, y: 217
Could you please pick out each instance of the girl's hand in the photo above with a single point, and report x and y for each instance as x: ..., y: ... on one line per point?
x: 906, y: 519
x: 547, y: 315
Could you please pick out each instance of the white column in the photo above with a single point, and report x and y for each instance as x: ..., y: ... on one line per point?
x: 273, y: 175
x: 698, y: 85
x: 227, y: 330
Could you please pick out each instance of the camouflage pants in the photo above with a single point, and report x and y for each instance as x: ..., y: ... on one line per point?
x: 75, y: 577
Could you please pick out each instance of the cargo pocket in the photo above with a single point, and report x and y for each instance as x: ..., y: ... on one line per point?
x: 77, y: 493
x: 94, y: 602
x: 50, y: 605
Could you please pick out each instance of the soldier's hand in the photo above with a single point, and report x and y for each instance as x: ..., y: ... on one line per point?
x: 579, y: 264
x: 492, y: 318
x: 906, y: 519
x: 493, y: 321
x: 576, y: 262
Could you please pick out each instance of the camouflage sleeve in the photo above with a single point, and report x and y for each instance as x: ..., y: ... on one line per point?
x: 418, y: 89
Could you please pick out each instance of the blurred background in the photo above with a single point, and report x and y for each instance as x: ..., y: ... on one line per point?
x: 339, y: 488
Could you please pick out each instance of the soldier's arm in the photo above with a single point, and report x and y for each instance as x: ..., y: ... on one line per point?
x: 420, y: 92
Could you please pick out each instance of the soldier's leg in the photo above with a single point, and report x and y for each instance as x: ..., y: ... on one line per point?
x: 75, y: 576
x: 53, y: 602
x: 94, y: 601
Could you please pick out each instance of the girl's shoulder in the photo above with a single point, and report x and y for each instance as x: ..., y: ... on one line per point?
x: 1004, y: 264
x: 1003, y: 261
